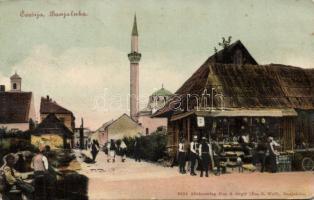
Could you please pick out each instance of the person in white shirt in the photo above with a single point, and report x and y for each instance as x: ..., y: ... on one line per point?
x: 111, y: 151
x: 42, y: 178
x: 39, y: 162
x: 193, y: 154
x: 272, y: 154
x: 182, y: 156
x: 123, y: 150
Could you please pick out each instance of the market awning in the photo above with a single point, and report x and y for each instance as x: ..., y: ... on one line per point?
x: 249, y: 113
x: 181, y: 115
x: 238, y: 113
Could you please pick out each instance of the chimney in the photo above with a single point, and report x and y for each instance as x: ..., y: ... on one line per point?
x: 2, y: 88
x: 48, y: 98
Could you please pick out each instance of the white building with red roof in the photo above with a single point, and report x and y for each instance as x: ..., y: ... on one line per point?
x: 16, y: 106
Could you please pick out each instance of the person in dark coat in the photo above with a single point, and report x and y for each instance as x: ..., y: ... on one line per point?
x: 181, y: 156
x: 112, y: 150
x: 217, y: 150
x: 20, y: 164
x: 205, y: 152
x: 95, y: 149
x: 261, y: 153
x: 137, y: 150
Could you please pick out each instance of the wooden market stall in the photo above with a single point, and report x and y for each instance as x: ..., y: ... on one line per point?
x: 232, y: 94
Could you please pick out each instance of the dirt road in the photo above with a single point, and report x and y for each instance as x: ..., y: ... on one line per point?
x: 131, y: 180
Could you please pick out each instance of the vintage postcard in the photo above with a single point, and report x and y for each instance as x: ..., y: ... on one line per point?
x: 156, y: 99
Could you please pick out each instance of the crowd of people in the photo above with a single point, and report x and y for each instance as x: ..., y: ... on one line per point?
x: 207, y: 154
x: 112, y: 148
x: 43, y: 175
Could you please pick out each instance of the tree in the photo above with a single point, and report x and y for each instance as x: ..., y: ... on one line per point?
x: 224, y: 44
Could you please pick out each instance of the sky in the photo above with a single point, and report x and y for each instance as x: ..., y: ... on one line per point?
x: 81, y: 62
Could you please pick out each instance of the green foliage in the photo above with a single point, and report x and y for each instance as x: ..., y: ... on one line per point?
x: 152, y: 147
x: 13, y: 145
x: 129, y: 141
x: 5, y: 133
x: 224, y: 44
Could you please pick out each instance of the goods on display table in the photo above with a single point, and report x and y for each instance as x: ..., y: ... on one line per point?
x: 284, y: 162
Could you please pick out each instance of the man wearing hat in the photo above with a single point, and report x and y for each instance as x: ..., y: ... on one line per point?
x: 205, y: 151
x: 13, y: 178
x: 193, y: 154
x: 181, y: 156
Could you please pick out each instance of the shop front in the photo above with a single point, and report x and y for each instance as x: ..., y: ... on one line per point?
x: 228, y: 125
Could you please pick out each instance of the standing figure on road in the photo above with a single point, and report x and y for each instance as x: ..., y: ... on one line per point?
x: 205, y: 152
x: 217, y: 150
x: 123, y: 150
x: 193, y: 155
x: 107, y: 151
x: 272, y: 154
x: 95, y: 149
x: 112, y: 150
x: 182, y: 156
x: 261, y: 153
x: 137, y: 150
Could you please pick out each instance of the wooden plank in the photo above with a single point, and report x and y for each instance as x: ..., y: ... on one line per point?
x: 189, y: 129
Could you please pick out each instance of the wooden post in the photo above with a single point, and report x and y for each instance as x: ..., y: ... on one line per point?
x: 228, y: 124
x: 189, y: 129
x: 293, y: 124
x: 184, y: 129
x: 82, y: 134
x: 288, y: 133
x: 251, y: 126
x: 175, y: 139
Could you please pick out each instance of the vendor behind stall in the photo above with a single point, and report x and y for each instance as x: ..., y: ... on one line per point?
x: 261, y: 150
x: 244, y: 141
x: 272, y: 154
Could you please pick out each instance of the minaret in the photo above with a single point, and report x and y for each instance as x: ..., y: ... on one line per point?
x: 134, y: 58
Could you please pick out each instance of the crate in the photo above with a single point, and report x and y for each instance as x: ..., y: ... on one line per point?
x: 284, y: 163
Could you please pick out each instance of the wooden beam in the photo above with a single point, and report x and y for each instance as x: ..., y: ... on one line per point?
x: 189, y: 129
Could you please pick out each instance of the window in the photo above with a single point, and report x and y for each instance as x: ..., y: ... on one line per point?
x: 14, y: 86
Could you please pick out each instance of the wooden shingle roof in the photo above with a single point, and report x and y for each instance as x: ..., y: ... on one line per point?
x: 52, y: 125
x: 248, y: 85
x: 15, y: 107
x: 47, y: 105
